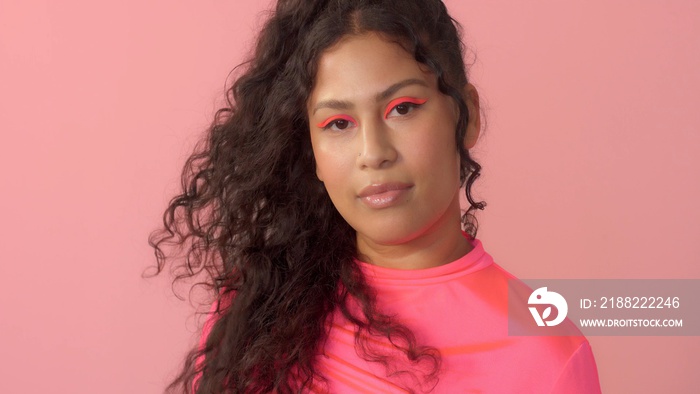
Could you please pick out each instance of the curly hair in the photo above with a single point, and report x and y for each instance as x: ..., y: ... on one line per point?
x: 261, y: 228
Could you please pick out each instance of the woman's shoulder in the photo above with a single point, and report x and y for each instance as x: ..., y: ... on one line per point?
x: 562, y: 349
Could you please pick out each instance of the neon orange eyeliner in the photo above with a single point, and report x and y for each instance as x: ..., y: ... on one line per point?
x: 401, y: 100
x: 333, y: 119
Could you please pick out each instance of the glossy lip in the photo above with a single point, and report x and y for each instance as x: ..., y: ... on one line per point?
x: 382, y: 195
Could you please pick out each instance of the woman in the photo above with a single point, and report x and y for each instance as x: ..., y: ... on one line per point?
x: 324, y: 208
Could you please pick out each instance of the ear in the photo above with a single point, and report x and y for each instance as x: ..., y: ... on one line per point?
x: 318, y: 172
x: 311, y: 156
x: 471, y: 96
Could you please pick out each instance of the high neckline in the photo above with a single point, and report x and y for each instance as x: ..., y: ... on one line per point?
x: 475, y: 260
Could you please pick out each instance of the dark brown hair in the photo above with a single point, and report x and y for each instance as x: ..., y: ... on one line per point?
x: 260, y: 227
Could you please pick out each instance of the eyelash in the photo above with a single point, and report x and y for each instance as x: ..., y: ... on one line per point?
x: 328, y: 123
x: 411, y: 103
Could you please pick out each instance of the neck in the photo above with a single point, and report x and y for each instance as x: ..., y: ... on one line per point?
x: 441, y: 244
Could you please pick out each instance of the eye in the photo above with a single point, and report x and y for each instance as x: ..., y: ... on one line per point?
x: 340, y: 122
x: 403, y: 106
x: 403, y: 109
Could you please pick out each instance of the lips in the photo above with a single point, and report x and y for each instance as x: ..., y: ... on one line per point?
x: 384, y: 195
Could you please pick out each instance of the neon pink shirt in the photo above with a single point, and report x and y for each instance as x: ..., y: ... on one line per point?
x: 461, y: 309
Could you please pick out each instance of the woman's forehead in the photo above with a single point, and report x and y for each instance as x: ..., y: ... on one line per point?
x: 365, y: 66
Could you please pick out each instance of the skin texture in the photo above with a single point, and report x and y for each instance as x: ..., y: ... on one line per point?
x: 368, y: 127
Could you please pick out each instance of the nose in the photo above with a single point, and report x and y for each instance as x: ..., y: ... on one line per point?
x: 377, y: 149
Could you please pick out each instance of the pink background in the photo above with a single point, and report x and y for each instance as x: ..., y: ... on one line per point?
x: 590, y: 169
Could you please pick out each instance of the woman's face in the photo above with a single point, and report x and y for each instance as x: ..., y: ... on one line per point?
x: 383, y: 138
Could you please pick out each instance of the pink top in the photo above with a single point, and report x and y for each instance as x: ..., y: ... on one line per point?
x: 461, y: 309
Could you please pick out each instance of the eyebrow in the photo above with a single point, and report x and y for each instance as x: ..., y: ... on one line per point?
x: 339, y: 104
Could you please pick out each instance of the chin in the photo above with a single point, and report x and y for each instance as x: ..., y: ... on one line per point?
x: 386, y: 234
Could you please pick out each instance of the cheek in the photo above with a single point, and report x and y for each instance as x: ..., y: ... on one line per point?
x: 434, y: 150
x: 332, y: 167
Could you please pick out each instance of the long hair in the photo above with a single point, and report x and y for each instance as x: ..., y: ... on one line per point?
x: 259, y: 225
